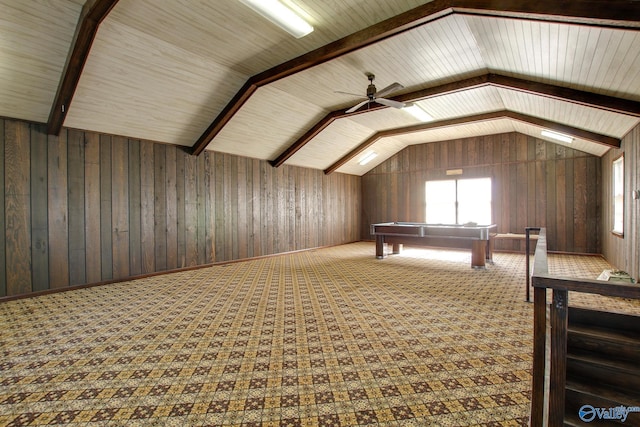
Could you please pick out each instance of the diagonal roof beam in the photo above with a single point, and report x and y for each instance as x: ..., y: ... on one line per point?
x: 444, y: 89
x: 618, y: 13
x: 93, y: 13
x: 589, y: 99
x: 495, y: 115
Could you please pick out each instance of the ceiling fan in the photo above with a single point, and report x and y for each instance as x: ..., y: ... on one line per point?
x: 373, y: 95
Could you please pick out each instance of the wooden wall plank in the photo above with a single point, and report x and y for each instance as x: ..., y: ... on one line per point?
x: 92, y: 198
x: 75, y: 168
x: 257, y: 213
x: 147, y: 207
x: 201, y: 211
x: 3, y: 265
x: 58, y: 214
x: 210, y: 205
x: 120, y: 206
x: 160, y: 206
x: 106, y: 226
x: 85, y: 207
x: 17, y: 207
x: 39, y: 209
x: 535, y: 183
x: 219, y: 208
x: 172, y: 207
x: 180, y: 208
x: 135, y: 207
x: 191, y: 210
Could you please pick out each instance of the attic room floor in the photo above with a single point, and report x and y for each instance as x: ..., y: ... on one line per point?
x: 329, y: 337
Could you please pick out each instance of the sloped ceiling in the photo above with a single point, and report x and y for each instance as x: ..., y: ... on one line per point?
x: 217, y: 76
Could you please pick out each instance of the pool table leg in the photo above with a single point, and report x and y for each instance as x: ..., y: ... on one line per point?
x: 478, y: 254
x: 379, y: 246
x: 397, y: 248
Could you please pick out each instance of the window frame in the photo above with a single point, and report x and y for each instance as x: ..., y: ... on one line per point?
x: 616, y: 163
x: 456, y: 201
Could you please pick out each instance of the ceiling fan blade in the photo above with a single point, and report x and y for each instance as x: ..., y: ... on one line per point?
x: 390, y: 103
x: 391, y: 88
x: 355, y: 107
x: 349, y: 93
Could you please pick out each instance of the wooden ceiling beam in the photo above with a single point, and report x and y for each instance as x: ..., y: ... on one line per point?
x: 93, y: 13
x: 589, y: 99
x: 618, y: 13
x: 495, y: 115
x: 444, y: 89
x: 368, y: 36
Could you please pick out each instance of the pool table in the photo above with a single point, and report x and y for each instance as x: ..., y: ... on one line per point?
x: 474, y: 237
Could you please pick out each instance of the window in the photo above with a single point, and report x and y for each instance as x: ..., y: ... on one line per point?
x: 458, y: 201
x: 618, y: 195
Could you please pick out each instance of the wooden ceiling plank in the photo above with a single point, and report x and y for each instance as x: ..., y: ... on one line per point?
x: 93, y: 13
x: 618, y: 13
x: 390, y: 27
x: 495, y: 115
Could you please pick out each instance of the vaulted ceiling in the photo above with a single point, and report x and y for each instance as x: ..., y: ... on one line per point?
x: 214, y: 75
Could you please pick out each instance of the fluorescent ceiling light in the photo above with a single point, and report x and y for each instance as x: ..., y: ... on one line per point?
x: 416, y: 111
x: 281, y: 15
x: 367, y: 158
x: 557, y: 136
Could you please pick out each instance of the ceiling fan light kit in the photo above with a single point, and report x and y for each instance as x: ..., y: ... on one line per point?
x: 281, y: 15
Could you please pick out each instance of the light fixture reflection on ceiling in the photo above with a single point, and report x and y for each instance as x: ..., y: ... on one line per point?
x: 367, y: 158
x: 281, y: 15
x: 557, y: 136
x: 416, y: 111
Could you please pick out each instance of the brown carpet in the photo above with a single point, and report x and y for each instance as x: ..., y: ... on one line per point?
x: 330, y: 337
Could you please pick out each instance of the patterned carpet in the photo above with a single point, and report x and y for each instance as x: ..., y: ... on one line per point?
x: 330, y: 337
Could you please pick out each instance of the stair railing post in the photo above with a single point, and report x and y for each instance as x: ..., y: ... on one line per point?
x: 539, y: 356
x: 558, y: 373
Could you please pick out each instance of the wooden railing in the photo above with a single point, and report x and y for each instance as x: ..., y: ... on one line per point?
x: 553, y: 414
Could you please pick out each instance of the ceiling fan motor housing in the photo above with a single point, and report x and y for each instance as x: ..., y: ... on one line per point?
x: 371, y: 91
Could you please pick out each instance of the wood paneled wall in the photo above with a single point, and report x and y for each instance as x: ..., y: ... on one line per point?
x: 623, y: 252
x: 535, y: 183
x: 83, y: 208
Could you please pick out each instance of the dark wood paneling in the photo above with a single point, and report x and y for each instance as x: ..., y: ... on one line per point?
x: 83, y: 207
x: 147, y: 207
x: 58, y: 211
x: 172, y: 208
x: 535, y: 183
x: 17, y: 207
x: 120, y: 206
x: 106, y: 226
x: 3, y: 269
x: 134, y: 211
x: 92, y: 188
x: 160, y: 206
x: 75, y: 168
x: 39, y: 209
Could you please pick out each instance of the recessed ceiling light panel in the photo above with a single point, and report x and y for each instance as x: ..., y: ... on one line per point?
x: 281, y: 15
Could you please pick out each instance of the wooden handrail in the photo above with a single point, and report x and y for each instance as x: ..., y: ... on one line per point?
x: 558, y: 315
